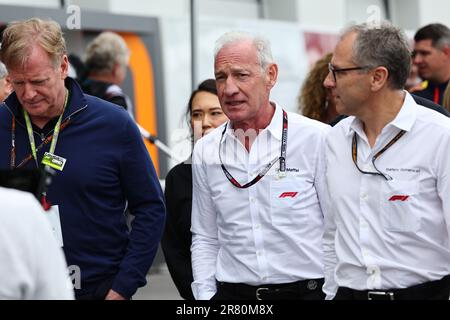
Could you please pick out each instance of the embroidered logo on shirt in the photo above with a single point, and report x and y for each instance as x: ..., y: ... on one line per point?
x: 398, y: 197
x: 288, y: 195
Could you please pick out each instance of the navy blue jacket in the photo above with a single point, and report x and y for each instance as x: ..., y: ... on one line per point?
x: 107, y: 166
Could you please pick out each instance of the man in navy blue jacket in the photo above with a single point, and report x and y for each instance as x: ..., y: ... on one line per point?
x: 101, y: 162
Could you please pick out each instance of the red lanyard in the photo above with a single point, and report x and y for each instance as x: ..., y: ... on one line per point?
x: 263, y: 172
x: 436, y: 95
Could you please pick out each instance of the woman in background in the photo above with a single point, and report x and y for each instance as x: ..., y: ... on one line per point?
x: 316, y: 101
x: 204, y: 114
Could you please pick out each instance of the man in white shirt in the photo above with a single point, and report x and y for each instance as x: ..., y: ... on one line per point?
x: 32, y: 265
x: 257, y: 222
x: 388, y: 164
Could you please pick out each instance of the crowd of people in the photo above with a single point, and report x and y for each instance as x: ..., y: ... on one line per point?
x: 347, y: 200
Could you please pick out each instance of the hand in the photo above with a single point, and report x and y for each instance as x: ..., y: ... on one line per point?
x: 112, y: 295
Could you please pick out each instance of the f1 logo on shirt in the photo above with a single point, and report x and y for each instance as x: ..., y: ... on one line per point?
x: 399, y: 197
x: 288, y: 195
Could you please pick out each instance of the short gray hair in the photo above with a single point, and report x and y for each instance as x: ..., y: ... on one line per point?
x: 3, y: 71
x: 261, y: 44
x: 384, y: 45
x: 106, y: 50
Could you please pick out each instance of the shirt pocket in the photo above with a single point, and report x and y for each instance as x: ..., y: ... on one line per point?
x: 287, y: 198
x: 399, y: 206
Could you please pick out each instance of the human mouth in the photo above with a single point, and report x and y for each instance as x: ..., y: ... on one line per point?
x: 234, y: 103
x: 32, y: 103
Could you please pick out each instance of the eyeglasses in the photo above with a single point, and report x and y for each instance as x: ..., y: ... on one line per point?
x: 335, y: 70
x: 379, y: 153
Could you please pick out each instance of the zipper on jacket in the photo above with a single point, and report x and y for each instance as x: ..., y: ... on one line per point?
x: 41, y: 135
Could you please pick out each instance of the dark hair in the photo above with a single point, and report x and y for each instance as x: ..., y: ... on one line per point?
x: 209, y: 85
x: 438, y: 33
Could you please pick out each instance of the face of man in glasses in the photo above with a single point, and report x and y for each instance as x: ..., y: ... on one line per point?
x: 350, y: 88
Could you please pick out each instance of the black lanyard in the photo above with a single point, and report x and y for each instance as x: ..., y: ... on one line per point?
x: 263, y: 172
x: 379, y: 153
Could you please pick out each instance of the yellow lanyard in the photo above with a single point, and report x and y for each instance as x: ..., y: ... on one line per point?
x: 55, y: 133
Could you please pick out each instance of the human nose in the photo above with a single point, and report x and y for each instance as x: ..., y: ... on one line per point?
x: 417, y: 58
x: 329, y: 81
x: 206, y: 122
x: 29, y: 92
x: 230, y: 87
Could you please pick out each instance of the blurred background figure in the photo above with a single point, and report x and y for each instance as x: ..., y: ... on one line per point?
x: 33, y: 266
x: 414, y: 82
x: 5, y: 85
x: 106, y: 65
x: 316, y: 101
x: 77, y: 69
x: 432, y: 56
x: 446, y: 100
x: 204, y: 114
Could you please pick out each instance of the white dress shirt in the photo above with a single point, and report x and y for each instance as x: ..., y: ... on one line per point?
x: 388, y: 234
x: 32, y: 264
x: 271, y: 232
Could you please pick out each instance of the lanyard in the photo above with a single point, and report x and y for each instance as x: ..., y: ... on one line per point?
x: 31, y: 134
x: 436, y: 95
x: 379, y: 153
x: 263, y: 172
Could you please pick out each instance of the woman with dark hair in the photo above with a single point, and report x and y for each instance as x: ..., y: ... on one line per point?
x: 204, y: 114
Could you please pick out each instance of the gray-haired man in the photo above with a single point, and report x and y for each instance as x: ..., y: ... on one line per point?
x: 257, y: 222
x: 5, y: 85
x: 388, y: 223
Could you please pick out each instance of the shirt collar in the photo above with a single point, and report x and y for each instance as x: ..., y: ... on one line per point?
x: 274, y: 127
x: 404, y: 120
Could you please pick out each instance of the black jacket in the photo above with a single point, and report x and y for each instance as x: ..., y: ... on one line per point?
x: 177, y: 238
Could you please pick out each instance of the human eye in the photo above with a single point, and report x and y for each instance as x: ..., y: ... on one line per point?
x: 38, y: 82
x: 18, y: 83
x: 216, y: 113
x: 196, y: 115
x: 220, y: 77
x: 243, y: 75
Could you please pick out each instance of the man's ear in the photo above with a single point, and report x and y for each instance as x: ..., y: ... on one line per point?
x: 379, y: 79
x: 272, y: 74
x: 64, y: 67
x: 446, y: 50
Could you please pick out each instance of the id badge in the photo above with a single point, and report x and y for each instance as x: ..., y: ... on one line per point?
x: 53, y: 161
x: 53, y: 217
